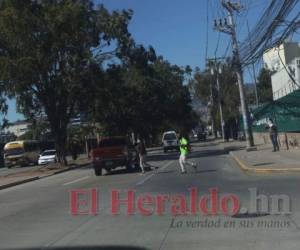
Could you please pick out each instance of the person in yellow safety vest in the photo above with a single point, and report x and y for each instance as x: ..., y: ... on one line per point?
x: 184, y: 150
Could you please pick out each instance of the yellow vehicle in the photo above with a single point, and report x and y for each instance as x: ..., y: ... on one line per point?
x: 21, y: 153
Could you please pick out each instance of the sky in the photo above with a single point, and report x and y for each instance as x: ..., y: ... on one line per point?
x: 177, y: 29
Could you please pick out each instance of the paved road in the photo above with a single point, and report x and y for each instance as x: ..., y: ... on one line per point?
x: 37, y: 215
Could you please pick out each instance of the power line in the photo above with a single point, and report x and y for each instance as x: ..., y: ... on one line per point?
x: 218, y: 42
x: 228, y: 26
x: 267, y: 31
x: 287, y: 71
x: 207, y: 25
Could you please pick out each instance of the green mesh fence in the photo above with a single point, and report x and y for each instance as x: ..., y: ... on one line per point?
x: 285, y: 112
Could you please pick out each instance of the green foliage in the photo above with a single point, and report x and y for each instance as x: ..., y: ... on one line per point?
x: 230, y: 96
x: 50, y: 55
x: 53, y: 60
x: 202, y: 82
x: 205, y: 85
x: 264, y: 86
x: 144, y: 95
x: 27, y: 136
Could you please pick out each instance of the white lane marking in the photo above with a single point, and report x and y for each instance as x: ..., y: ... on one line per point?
x: 77, y: 180
x: 150, y: 176
x: 144, y: 180
x: 167, y: 165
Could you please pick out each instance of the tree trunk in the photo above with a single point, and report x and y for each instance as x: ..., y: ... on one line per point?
x: 60, y: 145
x: 61, y: 153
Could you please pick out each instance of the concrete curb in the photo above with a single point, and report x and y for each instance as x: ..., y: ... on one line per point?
x: 16, y: 183
x: 19, y: 182
x: 250, y: 169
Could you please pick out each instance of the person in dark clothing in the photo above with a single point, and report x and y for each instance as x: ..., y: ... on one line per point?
x: 273, y: 131
x: 142, y: 153
x: 74, y: 150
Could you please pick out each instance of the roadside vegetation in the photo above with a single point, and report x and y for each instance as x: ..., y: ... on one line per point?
x: 61, y: 58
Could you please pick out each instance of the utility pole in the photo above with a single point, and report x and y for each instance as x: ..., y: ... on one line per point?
x: 228, y: 26
x: 253, y: 69
x: 215, y: 69
x: 219, y: 70
x: 213, y: 129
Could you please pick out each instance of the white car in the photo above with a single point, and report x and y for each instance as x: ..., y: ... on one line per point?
x: 48, y: 156
x: 170, y: 141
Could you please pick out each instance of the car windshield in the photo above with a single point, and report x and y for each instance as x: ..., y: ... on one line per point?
x: 111, y: 142
x: 170, y: 137
x: 47, y: 153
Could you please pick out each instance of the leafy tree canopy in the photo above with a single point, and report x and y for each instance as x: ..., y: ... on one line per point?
x: 50, y: 52
x: 264, y: 86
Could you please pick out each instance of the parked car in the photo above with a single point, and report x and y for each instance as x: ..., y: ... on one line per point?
x: 170, y: 141
x: 48, y: 156
x: 113, y: 152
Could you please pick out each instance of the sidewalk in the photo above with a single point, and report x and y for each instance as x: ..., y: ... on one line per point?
x: 263, y: 160
x: 40, y: 172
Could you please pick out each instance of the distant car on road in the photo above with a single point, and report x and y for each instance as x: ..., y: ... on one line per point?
x: 193, y: 136
x: 170, y: 141
x: 113, y: 152
x: 48, y: 156
x: 201, y: 136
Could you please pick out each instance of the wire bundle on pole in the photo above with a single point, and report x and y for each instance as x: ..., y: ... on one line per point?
x: 271, y: 30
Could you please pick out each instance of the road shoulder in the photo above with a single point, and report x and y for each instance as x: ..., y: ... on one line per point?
x: 19, y: 178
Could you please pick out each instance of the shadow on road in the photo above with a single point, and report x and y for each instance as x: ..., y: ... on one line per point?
x: 85, y: 248
x: 234, y: 148
x: 166, y: 172
x: 206, y: 171
x: 163, y: 157
x: 264, y: 163
x: 123, y: 171
x: 207, y: 153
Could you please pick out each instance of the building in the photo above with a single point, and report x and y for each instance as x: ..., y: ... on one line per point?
x: 18, y: 128
x: 284, y: 63
x: 79, y: 119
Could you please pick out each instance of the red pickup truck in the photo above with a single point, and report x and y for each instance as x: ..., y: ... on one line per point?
x: 113, y: 152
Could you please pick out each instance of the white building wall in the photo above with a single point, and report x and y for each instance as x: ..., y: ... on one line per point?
x: 18, y: 129
x: 279, y: 60
x: 274, y: 58
x: 282, y: 84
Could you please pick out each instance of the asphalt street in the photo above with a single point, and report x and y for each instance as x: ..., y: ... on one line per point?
x: 37, y: 215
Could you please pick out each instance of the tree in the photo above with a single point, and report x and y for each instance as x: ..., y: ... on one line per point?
x: 144, y: 94
x: 176, y: 103
x: 264, y: 86
x: 50, y: 52
x: 204, y: 85
x: 201, y: 83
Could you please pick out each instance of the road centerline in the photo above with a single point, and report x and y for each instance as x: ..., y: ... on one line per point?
x: 150, y: 176
x: 77, y: 180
